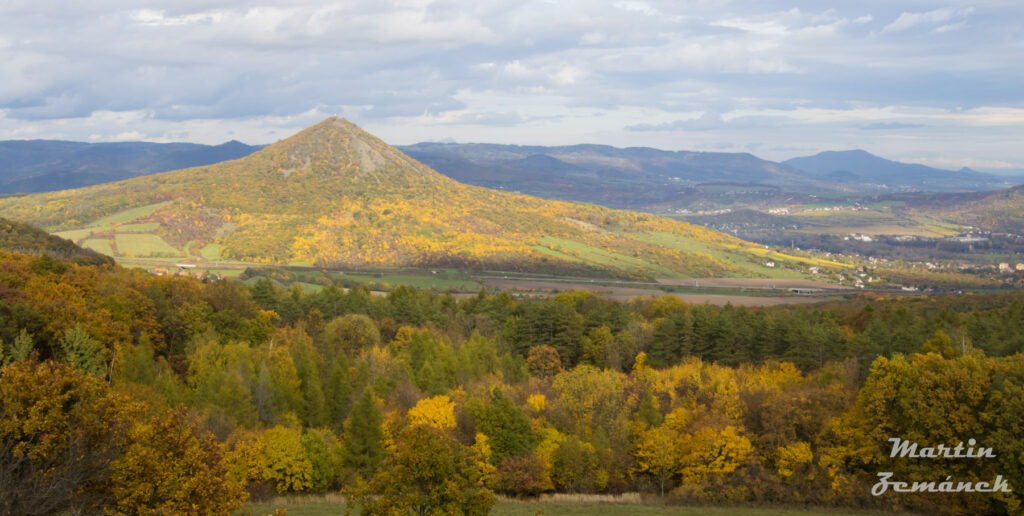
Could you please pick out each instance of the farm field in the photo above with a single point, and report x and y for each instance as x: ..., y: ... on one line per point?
x: 445, y: 280
x: 100, y: 245
x: 537, y: 287
x: 131, y: 244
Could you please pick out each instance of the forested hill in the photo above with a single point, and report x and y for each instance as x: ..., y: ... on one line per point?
x: 336, y: 195
x: 23, y: 238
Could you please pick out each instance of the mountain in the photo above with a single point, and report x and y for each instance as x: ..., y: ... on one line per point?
x: 862, y: 167
x: 16, y: 237
x: 627, y: 178
x: 47, y: 165
x: 334, y: 195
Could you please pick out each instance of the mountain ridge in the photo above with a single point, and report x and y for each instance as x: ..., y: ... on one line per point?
x: 857, y: 164
x: 39, y: 165
x: 628, y: 177
x: 334, y: 195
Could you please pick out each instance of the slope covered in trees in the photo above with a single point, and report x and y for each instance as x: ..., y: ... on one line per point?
x: 23, y: 238
x: 334, y: 195
x: 343, y: 390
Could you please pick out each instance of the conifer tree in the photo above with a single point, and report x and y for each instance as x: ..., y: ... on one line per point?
x: 364, y: 436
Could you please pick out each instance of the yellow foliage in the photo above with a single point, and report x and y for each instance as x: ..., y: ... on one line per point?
x: 657, y: 453
x: 790, y: 457
x: 550, y: 440
x: 481, y: 451
x: 285, y: 463
x: 710, y: 452
x: 537, y: 402
x: 438, y: 412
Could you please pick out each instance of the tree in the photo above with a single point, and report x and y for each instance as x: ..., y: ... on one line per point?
x: 655, y: 454
x: 60, y: 431
x: 437, y: 412
x: 429, y: 472
x: 522, y: 475
x: 172, y: 466
x: 573, y: 466
x: 69, y: 443
x: 543, y: 361
x: 711, y: 453
x: 82, y: 351
x: 321, y: 448
x: 507, y: 428
x: 285, y: 464
x: 364, y: 448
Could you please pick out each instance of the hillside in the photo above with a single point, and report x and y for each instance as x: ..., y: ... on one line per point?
x: 863, y: 168
x: 1001, y: 211
x: 625, y: 178
x: 47, y: 165
x: 16, y: 237
x: 334, y: 195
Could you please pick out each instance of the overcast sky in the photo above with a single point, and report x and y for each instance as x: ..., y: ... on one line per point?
x: 940, y: 83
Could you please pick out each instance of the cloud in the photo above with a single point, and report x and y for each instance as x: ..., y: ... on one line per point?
x: 650, y: 72
x: 908, y: 20
x: 888, y: 126
x: 707, y: 120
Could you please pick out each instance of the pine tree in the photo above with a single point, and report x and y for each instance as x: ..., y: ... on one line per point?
x: 83, y: 352
x: 364, y: 436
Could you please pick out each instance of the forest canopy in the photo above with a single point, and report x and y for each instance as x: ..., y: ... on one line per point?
x: 259, y: 390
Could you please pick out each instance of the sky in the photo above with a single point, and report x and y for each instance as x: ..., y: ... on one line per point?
x: 939, y: 83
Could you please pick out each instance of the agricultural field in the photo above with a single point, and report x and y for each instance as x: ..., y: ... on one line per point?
x: 100, y: 245
x: 141, y: 244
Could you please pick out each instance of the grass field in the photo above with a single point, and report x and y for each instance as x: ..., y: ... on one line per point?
x: 210, y: 251
x: 444, y: 280
x: 100, y: 245
x: 144, y: 227
x: 75, y: 234
x: 882, y: 222
x: 143, y: 245
x: 603, y: 257
x: 128, y: 215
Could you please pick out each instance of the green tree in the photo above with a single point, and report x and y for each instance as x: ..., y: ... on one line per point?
x: 429, y: 472
x: 364, y: 448
x: 506, y: 426
x: 82, y: 351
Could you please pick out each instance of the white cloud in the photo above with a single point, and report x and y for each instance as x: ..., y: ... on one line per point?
x: 158, y: 18
x: 569, y: 75
x: 908, y: 20
x: 574, y: 70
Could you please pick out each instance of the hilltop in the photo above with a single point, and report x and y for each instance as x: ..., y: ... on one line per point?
x: 336, y: 196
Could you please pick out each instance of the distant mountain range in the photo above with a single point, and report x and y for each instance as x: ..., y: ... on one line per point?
x: 334, y: 195
x: 864, y: 170
x: 47, y: 165
x: 640, y: 177
x: 631, y: 177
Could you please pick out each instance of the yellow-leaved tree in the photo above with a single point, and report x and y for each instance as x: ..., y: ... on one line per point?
x: 438, y: 412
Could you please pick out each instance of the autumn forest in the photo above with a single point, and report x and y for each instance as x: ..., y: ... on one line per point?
x: 126, y: 393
